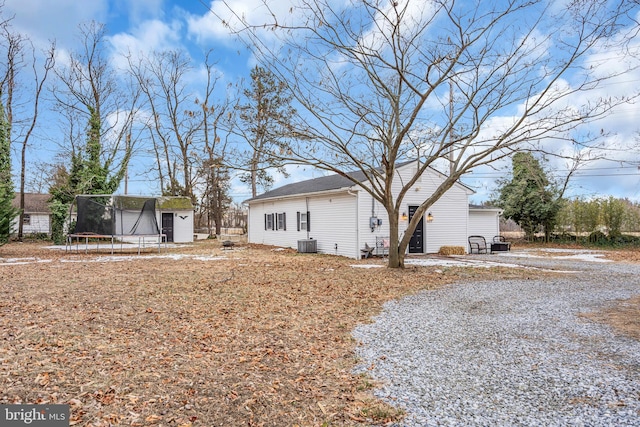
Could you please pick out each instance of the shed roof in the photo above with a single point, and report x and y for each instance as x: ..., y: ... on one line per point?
x: 34, y: 203
x: 174, y: 203
x: 484, y: 208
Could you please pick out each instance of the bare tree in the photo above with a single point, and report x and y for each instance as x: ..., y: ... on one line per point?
x: 99, y: 109
x: 217, y: 123
x: 453, y: 85
x: 173, y: 124
x: 22, y: 98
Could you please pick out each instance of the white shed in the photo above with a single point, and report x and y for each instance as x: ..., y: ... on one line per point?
x: 175, y: 216
x: 332, y: 215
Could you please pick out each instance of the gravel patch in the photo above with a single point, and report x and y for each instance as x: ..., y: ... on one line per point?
x: 509, y: 352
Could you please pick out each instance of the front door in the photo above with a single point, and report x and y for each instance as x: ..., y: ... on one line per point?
x: 167, y: 226
x: 416, y: 244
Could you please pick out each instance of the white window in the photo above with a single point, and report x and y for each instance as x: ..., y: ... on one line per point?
x: 282, y: 221
x: 268, y: 222
x: 303, y: 221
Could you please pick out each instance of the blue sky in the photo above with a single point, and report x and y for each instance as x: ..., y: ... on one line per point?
x: 158, y: 24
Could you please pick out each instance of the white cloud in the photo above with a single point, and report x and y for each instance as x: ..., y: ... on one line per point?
x: 140, y: 10
x: 148, y: 36
x: 44, y: 20
x: 218, y: 23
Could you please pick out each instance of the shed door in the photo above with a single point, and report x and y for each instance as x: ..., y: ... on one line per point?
x: 167, y: 225
x: 416, y: 244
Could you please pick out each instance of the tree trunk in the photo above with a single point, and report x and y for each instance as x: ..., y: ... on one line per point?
x: 396, y: 258
x: 23, y: 169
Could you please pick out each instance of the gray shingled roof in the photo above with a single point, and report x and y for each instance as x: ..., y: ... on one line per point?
x: 34, y: 203
x: 315, y: 185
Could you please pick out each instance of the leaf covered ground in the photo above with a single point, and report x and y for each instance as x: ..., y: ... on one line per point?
x: 197, y: 336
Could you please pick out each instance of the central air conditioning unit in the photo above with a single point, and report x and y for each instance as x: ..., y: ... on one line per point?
x: 309, y: 246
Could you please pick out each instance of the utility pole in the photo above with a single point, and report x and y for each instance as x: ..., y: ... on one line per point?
x: 126, y: 172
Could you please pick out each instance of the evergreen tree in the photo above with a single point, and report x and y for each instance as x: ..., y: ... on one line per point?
x: 266, y: 118
x: 7, y: 211
x: 529, y: 198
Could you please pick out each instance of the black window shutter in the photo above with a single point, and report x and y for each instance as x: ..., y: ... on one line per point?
x: 284, y: 221
x: 298, y: 215
x: 308, y: 221
x: 275, y: 221
x: 265, y: 221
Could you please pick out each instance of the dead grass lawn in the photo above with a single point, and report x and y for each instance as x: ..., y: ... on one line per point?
x: 259, y: 338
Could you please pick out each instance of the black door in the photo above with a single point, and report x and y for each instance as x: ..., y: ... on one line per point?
x: 416, y: 244
x: 167, y: 226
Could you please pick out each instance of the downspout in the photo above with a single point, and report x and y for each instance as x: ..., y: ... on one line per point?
x: 356, y: 194
x: 306, y: 200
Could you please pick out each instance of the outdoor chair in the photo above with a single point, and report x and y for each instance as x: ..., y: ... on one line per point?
x: 477, y: 244
x: 500, y: 244
x: 382, y: 245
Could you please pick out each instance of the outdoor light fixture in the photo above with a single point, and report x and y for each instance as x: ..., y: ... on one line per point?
x: 404, y: 216
x: 429, y: 217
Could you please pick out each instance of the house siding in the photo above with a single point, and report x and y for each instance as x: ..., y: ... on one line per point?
x: 332, y: 220
x: 39, y: 223
x: 450, y: 212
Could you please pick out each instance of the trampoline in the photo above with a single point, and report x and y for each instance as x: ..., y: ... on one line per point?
x: 116, y: 220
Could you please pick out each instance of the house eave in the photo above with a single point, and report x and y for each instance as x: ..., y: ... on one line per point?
x: 473, y: 208
x: 301, y: 195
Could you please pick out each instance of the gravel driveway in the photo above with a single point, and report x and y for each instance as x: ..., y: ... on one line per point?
x: 509, y: 352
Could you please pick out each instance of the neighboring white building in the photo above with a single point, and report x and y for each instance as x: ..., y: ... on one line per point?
x: 333, y: 215
x: 37, y: 215
x: 484, y: 221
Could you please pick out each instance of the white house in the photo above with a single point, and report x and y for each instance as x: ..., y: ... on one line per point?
x: 333, y: 215
x: 37, y: 215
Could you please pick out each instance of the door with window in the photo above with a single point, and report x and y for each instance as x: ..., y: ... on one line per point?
x: 167, y: 225
x: 416, y: 244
